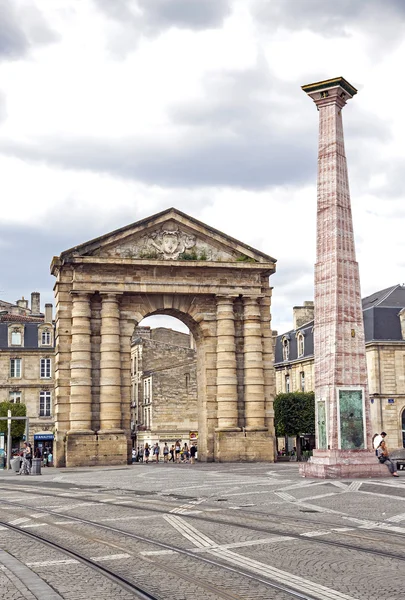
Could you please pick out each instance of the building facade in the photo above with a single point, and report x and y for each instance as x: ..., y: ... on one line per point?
x: 27, y: 348
x: 163, y: 387
x: 384, y: 327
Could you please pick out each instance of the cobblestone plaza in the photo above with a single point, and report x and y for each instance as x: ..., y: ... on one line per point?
x: 203, y: 531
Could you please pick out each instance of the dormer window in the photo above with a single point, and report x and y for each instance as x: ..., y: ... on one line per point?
x: 300, y: 344
x: 45, y: 335
x: 286, y: 348
x: 46, y: 338
x: 16, y: 337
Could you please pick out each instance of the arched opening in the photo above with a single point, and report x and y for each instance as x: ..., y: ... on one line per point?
x: 164, y: 385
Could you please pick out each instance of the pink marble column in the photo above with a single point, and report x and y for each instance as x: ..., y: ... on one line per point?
x: 339, y: 345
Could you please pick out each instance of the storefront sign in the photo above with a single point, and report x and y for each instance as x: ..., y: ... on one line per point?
x: 43, y: 436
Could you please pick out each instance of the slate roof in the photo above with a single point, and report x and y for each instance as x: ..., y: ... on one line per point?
x: 380, y: 317
x: 30, y: 335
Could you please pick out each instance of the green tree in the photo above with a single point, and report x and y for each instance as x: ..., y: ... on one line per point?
x: 294, y: 415
x: 17, y: 410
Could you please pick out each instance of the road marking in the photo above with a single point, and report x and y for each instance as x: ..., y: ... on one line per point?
x: 285, y: 496
x: 354, y: 486
x: 18, y: 521
x: 273, y: 540
x: 314, y: 533
x: 128, y: 518
x: 157, y: 552
x: 72, y: 506
x: 283, y: 577
x: 397, y: 518
x: 110, y: 557
x: 50, y: 563
x: 34, y: 525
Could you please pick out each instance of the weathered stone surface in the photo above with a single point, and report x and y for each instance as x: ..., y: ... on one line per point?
x: 340, y: 356
x: 125, y: 283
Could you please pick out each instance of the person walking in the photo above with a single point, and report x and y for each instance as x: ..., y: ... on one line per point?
x: 146, y: 452
x: 165, y: 453
x: 383, y: 456
x: 156, y: 451
x: 25, y: 468
x: 177, y: 450
x: 193, y: 452
x: 140, y: 454
x: 171, y: 453
x: 186, y: 453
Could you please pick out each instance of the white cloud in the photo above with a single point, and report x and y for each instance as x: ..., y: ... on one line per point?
x: 108, y: 117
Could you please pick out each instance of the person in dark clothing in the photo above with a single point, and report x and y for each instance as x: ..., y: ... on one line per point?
x: 193, y: 452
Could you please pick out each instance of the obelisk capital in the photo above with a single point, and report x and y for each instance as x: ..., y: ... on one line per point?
x: 330, y: 91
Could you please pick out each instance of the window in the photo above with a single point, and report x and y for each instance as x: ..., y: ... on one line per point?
x: 15, y: 367
x: 286, y: 349
x: 44, y: 404
x: 45, y: 368
x: 46, y: 338
x: 147, y: 390
x: 302, y: 381
x: 187, y: 383
x: 300, y: 344
x: 16, y: 337
x: 287, y: 383
x: 14, y: 397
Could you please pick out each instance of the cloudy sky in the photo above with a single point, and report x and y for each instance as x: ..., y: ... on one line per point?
x: 113, y: 110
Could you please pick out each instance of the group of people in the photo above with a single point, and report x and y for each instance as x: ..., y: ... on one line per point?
x: 26, y: 455
x: 176, y: 453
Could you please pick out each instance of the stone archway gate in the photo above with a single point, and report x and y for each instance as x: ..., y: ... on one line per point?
x: 169, y: 263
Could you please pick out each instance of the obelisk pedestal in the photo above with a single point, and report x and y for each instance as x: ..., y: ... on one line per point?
x: 343, y: 426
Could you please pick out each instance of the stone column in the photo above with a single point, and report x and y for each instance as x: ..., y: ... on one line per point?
x: 80, y: 383
x: 254, y: 376
x: 110, y: 365
x: 267, y: 347
x: 227, y: 393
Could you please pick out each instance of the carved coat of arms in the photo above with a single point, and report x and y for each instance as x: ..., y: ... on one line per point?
x: 168, y: 243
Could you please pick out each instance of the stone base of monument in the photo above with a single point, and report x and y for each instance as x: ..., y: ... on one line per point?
x: 85, y: 449
x: 244, y: 446
x: 343, y: 464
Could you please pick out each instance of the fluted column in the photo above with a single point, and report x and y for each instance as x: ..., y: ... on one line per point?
x: 80, y: 384
x: 254, y: 376
x: 227, y: 394
x: 110, y: 365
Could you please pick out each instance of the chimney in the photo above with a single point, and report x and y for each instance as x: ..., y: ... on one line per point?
x: 48, y: 313
x: 303, y: 314
x: 35, y: 303
x: 23, y: 303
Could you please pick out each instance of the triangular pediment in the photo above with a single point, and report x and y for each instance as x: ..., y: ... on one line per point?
x: 169, y: 235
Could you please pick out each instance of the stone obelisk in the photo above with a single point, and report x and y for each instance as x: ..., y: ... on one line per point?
x: 343, y: 427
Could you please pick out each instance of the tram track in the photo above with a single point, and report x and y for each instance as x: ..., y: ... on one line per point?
x: 290, y: 591
x: 255, y: 523
x: 217, y: 561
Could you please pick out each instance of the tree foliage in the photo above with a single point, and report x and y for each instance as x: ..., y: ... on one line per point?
x: 294, y: 413
x: 17, y: 410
